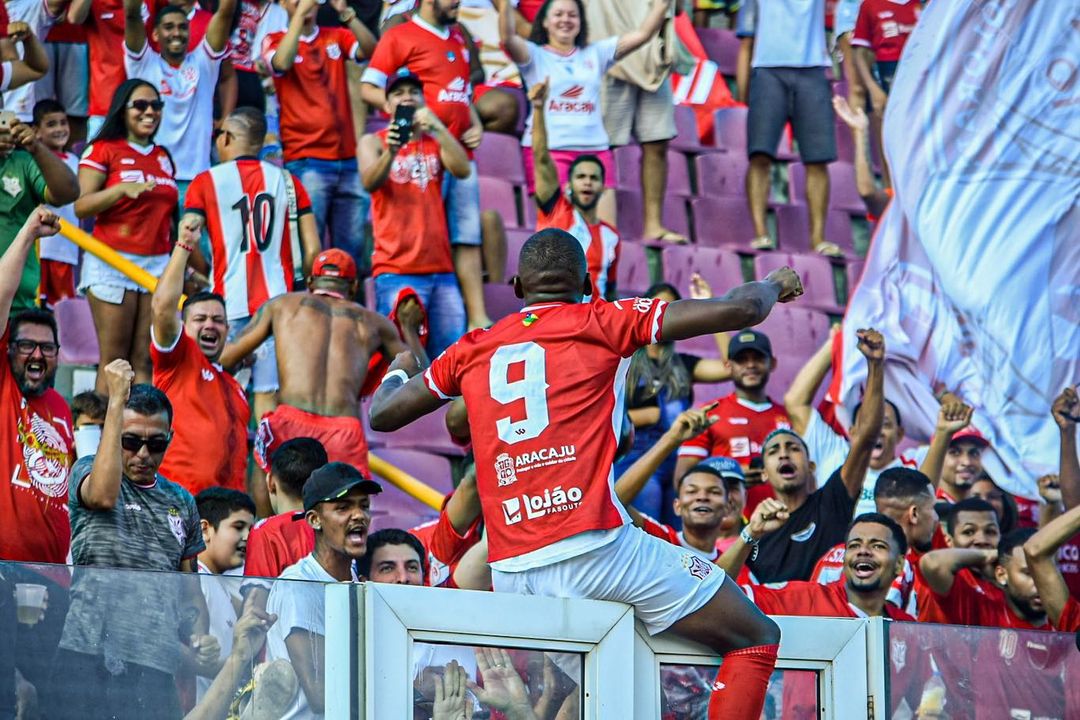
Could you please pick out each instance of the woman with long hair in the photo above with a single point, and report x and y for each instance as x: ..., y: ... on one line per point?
x: 659, y: 386
x: 128, y: 185
x: 558, y: 51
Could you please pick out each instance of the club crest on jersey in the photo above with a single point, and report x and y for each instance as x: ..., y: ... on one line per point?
x: 207, y: 375
x: 333, y: 51
x: 12, y: 186
x: 529, y: 319
x: 450, y: 57
x: 176, y: 524
x: 504, y: 470
x: 697, y: 567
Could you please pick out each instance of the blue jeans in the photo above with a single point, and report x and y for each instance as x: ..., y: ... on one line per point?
x: 463, y: 207
x: 338, y: 201
x: 441, y: 298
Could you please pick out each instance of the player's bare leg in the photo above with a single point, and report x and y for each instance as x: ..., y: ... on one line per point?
x: 746, y: 639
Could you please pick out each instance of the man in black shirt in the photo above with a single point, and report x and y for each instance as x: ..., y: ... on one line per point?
x: 819, y: 519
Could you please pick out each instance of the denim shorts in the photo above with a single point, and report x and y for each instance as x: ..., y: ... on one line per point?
x: 801, y: 95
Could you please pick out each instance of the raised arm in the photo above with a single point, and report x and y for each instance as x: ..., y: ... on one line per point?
x: 1041, y: 550
x: 397, y: 402
x: 545, y: 174
x: 741, y: 307
x: 78, y: 11
x: 514, y: 45
x: 166, y: 325
x: 769, y: 516
x: 218, y: 30
x: 799, y: 398
x: 376, y: 159
x: 1066, y: 411
x: 410, y: 319
x: 451, y: 152
x: 859, y: 124
x: 251, y: 337
x: 41, y: 223
x: 100, y: 490
x: 953, y: 417
x: 865, y: 432
x: 464, y: 505
x: 285, y: 54
x: 134, y: 27
x: 347, y: 16
x: 939, y: 567
x: 634, y: 39
x: 34, y: 62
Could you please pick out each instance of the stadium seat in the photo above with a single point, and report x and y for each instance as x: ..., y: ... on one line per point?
x: 722, y: 47
x: 501, y: 196
x: 842, y: 192
x: 674, y: 214
x: 854, y: 274
x: 628, y: 214
x: 500, y: 300
x: 730, y: 134
x: 528, y: 205
x: 721, y: 174
x: 686, y: 137
x: 515, y: 238
x: 793, y: 229
x: 632, y: 275
x: 816, y: 272
x: 78, y: 341
x: 426, y: 435
x: 722, y: 222
x: 721, y: 268
x: 845, y: 143
x: 627, y: 167
x: 431, y: 469
x: 499, y: 155
x: 678, y: 178
x: 796, y: 333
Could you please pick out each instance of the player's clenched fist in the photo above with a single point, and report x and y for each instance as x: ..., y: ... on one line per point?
x: 789, y: 282
x: 118, y: 379
x: 871, y: 344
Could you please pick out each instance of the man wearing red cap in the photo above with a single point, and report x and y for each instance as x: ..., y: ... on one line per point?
x: 325, y: 343
x: 954, y: 461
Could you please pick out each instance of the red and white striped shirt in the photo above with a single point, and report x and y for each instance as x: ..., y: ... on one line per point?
x: 600, y: 241
x: 246, y: 206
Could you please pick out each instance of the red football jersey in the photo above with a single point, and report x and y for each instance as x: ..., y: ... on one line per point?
x: 37, y: 453
x: 245, y: 203
x: 408, y: 215
x: 439, y: 57
x: 740, y: 429
x: 444, y: 548
x: 544, y: 388
x: 1070, y: 616
x: 276, y: 543
x: 811, y: 599
x: 207, y: 403
x: 673, y: 536
x: 142, y: 226
x: 830, y: 569
x: 600, y: 241
x: 884, y: 26
x: 104, y: 28
x: 972, y: 601
x: 1021, y: 675
x: 316, y: 116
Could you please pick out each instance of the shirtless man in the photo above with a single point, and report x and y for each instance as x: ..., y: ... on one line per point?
x: 325, y: 343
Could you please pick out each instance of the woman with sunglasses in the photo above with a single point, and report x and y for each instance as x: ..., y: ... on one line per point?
x: 128, y: 186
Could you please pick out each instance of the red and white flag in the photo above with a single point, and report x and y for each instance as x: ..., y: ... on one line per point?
x: 704, y: 88
x: 974, y: 272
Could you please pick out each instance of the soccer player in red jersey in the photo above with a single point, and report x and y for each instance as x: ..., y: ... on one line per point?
x: 39, y: 445
x: 544, y: 390
x: 262, y: 230
x: 277, y: 542
x: 208, y: 401
x: 446, y: 539
x: 575, y: 208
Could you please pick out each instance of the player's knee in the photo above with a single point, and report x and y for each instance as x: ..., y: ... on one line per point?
x: 768, y: 634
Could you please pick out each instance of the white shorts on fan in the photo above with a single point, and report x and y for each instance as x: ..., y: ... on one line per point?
x: 663, y: 582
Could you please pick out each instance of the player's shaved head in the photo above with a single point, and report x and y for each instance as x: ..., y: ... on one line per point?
x: 250, y: 124
x: 552, y: 267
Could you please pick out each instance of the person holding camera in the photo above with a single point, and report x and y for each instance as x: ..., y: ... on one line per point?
x: 402, y: 167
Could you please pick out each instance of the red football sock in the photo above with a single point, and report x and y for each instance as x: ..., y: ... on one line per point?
x: 739, y: 690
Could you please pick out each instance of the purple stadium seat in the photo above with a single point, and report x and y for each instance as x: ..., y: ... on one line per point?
x: 686, y: 130
x: 816, y: 272
x: 678, y: 178
x: 514, y: 240
x: 674, y: 214
x: 628, y: 214
x: 796, y: 333
x: 729, y: 125
x: 528, y: 204
x: 721, y: 268
x: 499, y: 156
x: 854, y: 275
x: 500, y: 196
x: 721, y: 174
x: 394, y: 509
x: 78, y: 341
x: 845, y: 143
x: 793, y: 229
x: 628, y: 167
x: 842, y: 192
x: 838, y: 230
x: 722, y: 222
x: 428, y: 468
x: 500, y: 301
x: 632, y: 275
x: 722, y: 47
x: 426, y: 435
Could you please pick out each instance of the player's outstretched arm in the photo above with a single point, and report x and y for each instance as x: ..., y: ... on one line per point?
x: 741, y: 307
x: 397, y: 401
x: 1041, y: 551
x: 251, y: 337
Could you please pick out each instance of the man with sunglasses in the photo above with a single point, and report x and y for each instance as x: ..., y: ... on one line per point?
x: 125, y: 515
x: 38, y: 444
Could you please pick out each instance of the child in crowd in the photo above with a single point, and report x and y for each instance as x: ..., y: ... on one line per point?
x: 59, y: 256
x: 226, y: 517
x: 88, y: 415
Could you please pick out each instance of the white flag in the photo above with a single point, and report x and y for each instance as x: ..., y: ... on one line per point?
x: 974, y: 273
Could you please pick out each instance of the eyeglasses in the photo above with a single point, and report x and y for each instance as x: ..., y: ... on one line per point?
x: 156, y: 444
x: 27, y: 347
x: 144, y: 105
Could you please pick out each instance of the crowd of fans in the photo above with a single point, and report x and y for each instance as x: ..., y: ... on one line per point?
x: 238, y: 156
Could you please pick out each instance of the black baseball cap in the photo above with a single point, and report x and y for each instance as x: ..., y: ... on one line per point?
x: 750, y: 340
x: 403, y: 75
x: 333, y: 481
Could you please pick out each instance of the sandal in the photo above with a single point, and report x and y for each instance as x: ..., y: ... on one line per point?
x: 829, y: 249
x: 763, y: 242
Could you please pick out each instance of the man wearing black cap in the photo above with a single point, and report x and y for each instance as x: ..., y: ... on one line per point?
x: 403, y: 167
x: 746, y: 416
x: 337, y: 506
